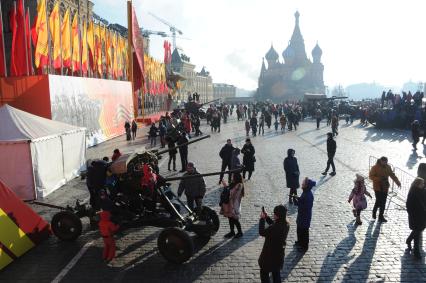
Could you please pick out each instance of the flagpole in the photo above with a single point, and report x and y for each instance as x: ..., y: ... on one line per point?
x: 71, y: 43
x: 70, y: 28
x: 49, y: 58
x: 87, y: 54
x: 107, y: 60
x: 30, y: 49
x: 2, y: 40
x: 130, y: 52
x: 95, y: 53
x: 101, y: 75
x: 80, y: 44
x: 60, y: 39
x: 25, y: 40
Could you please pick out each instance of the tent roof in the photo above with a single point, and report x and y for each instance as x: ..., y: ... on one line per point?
x: 17, y: 125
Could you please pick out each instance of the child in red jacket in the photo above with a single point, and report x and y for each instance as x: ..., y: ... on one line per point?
x: 107, y: 229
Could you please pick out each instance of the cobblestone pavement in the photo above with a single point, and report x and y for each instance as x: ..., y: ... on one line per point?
x: 339, y: 251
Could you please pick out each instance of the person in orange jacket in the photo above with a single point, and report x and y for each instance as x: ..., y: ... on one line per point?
x: 380, y: 174
x: 107, y: 229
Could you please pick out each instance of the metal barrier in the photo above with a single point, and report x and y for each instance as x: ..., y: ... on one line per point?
x: 404, y: 177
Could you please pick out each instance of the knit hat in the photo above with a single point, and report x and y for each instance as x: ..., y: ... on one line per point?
x: 310, y: 184
x: 359, y: 178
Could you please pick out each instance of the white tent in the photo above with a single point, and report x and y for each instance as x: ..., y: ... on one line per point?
x: 38, y: 155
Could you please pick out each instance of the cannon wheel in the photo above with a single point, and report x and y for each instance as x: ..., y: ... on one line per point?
x: 212, y: 222
x: 175, y: 245
x: 66, y: 226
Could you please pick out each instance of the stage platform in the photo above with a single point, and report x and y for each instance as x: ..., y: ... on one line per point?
x: 149, y: 119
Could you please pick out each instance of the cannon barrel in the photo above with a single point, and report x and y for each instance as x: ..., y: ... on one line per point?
x: 202, y: 104
x: 191, y: 141
x: 201, y: 175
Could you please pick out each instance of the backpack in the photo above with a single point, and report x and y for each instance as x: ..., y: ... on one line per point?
x: 224, y: 196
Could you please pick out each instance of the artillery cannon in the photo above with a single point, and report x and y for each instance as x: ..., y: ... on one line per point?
x: 133, y: 204
x: 195, y: 108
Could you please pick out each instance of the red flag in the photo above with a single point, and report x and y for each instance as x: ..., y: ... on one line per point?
x: 2, y: 62
x: 28, y: 41
x: 34, y: 35
x: 170, y: 53
x: 12, y: 24
x: 18, y: 60
x: 138, y: 64
x: 166, y: 53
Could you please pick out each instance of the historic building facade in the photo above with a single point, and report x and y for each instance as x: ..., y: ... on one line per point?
x: 294, y: 77
x: 224, y: 91
x: 200, y: 82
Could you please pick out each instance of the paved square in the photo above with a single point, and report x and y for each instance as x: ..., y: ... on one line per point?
x: 339, y: 251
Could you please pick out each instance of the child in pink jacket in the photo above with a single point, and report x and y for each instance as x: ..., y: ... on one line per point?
x: 357, y: 196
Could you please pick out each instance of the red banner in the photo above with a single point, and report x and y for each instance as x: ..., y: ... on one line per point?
x: 138, y: 64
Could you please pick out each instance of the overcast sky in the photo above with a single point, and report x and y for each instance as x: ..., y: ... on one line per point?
x: 379, y: 41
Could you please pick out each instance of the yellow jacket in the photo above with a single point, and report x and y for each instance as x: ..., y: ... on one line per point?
x: 380, y: 176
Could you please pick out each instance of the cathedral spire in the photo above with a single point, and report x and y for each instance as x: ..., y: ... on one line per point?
x: 297, y: 15
x: 271, y: 56
x: 316, y: 54
x: 297, y: 43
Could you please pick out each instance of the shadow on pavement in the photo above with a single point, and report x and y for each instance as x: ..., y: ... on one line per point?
x: 340, y: 256
x: 374, y: 134
x: 156, y: 268
x: 411, y: 269
x: 290, y: 262
x: 413, y: 159
x: 321, y: 182
x: 136, y: 245
x: 360, y: 267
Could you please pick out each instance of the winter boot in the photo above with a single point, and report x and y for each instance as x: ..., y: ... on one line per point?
x: 358, y: 220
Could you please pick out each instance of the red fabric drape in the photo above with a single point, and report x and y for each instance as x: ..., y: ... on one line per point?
x: 2, y: 62
x: 138, y: 64
x: 18, y: 55
x: 28, y: 40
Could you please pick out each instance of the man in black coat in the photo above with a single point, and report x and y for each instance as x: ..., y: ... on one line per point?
x: 183, y: 150
x: 415, y: 133
x: 271, y: 259
x: 416, y: 208
x: 253, y: 125
x: 226, y: 155
x: 292, y: 173
x: 95, y: 181
x: 249, y: 159
x: 194, y: 188
x: 331, y: 151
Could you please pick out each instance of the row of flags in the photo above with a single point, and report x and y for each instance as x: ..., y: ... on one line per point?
x: 64, y: 44
x: 155, y: 76
x: 78, y: 46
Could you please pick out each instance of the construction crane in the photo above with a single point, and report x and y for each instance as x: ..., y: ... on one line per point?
x: 173, y: 29
x: 147, y: 33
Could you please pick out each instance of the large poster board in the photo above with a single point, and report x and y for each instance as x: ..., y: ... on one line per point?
x: 101, y: 106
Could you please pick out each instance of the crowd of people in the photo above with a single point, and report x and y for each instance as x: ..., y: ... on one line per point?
x: 275, y: 229
x: 393, y: 110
